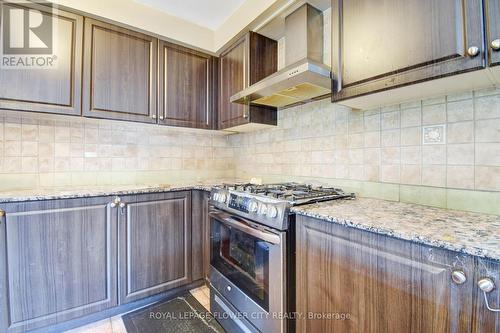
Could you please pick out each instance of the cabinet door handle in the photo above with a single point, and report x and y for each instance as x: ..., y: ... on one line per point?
x: 473, y: 51
x: 116, y: 201
x: 495, y: 44
x: 458, y: 276
x: 487, y: 285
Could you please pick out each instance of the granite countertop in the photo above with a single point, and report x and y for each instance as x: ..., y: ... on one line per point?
x: 472, y: 233
x: 96, y: 191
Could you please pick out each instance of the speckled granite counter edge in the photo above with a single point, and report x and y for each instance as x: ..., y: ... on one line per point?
x: 470, y: 250
x: 87, y: 193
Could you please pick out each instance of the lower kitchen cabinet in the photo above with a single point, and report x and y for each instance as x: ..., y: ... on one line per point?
x: 486, y: 320
x: 350, y: 280
x: 200, y: 235
x: 58, y: 261
x: 154, y: 241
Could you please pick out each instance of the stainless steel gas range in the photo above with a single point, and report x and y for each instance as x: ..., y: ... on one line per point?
x: 252, y: 254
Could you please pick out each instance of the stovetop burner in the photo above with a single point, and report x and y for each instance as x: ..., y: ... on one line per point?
x: 294, y: 193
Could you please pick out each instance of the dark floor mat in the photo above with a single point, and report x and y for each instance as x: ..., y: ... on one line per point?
x: 181, y: 314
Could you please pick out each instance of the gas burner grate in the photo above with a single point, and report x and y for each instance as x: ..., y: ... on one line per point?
x: 294, y: 193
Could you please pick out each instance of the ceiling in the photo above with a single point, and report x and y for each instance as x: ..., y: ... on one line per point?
x: 210, y: 14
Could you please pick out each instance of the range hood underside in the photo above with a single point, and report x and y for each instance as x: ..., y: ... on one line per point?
x: 291, y: 85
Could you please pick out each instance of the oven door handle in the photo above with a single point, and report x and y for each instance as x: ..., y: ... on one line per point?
x: 245, y: 227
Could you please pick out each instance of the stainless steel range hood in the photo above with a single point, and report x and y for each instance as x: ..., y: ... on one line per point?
x: 304, y: 76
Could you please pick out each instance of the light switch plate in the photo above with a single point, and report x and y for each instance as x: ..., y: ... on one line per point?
x: 434, y: 135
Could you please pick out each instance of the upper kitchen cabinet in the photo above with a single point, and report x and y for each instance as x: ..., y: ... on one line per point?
x: 379, y: 45
x: 249, y: 60
x: 120, y: 73
x: 186, y: 87
x: 46, y: 78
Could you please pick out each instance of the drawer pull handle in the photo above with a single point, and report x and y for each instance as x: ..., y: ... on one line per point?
x: 487, y: 285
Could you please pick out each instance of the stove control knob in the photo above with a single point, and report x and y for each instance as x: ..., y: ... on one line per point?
x: 222, y: 198
x: 253, y: 206
x: 263, y: 209
x: 215, y: 197
x: 272, y: 212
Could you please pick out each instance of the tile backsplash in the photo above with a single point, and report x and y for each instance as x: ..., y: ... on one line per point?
x: 51, y: 151
x: 442, y: 151
x: 434, y: 145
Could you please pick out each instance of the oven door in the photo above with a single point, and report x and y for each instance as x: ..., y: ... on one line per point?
x: 248, y: 269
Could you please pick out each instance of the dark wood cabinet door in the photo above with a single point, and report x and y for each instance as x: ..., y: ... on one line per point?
x: 493, y: 31
x: 386, y: 44
x: 120, y: 73
x: 200, y: 235
x: 234, y: 77
x: 357, y: 281
x: 185, y: 87
x: 53, y: 89
x: 154, y: 244
x: 58, y: 261
x: 485, y: 320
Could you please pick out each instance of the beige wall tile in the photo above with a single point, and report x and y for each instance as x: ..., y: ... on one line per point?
x: 62, y: 134
x: 29, y: 164
x: 356, y: 122
x: 372, y: 156
x: 390, y: 173
x: 62, y: 150
x: 12, y: 131
x: 433, y: 114
x: 411, y: 136
x: 434, y: 154
x: 461, y: 154
x: 61, y: 164
x: 460, y: 110
x: 356, y: 140
x: 487, y: 178
x: 372, y: 139
x: 356, y: 156
x: 460, y: 177
x: 488, y: 154
x: 372, y: 121
x: 391, y: 138
x: 411, y: 155
x: 411, y: 174
x: 459, y: 96
x: 29, y: 148
x: 462, y: 132
x: 12, y: 148
x: 488, y: 130
x: 411, y: 117
x: 29, y: 132
x: 371, y: 173
x: 12, y: 164
x: 391, y: 155
x: 487, y: 107
x: 391, y: 120
x: 46, y: 133
x: 434, y: 175
x: 45, y: 164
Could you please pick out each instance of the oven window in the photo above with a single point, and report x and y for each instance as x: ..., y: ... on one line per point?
x: 243, y: 259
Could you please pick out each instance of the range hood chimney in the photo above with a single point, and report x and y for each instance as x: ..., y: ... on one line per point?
x: 304, y: 76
